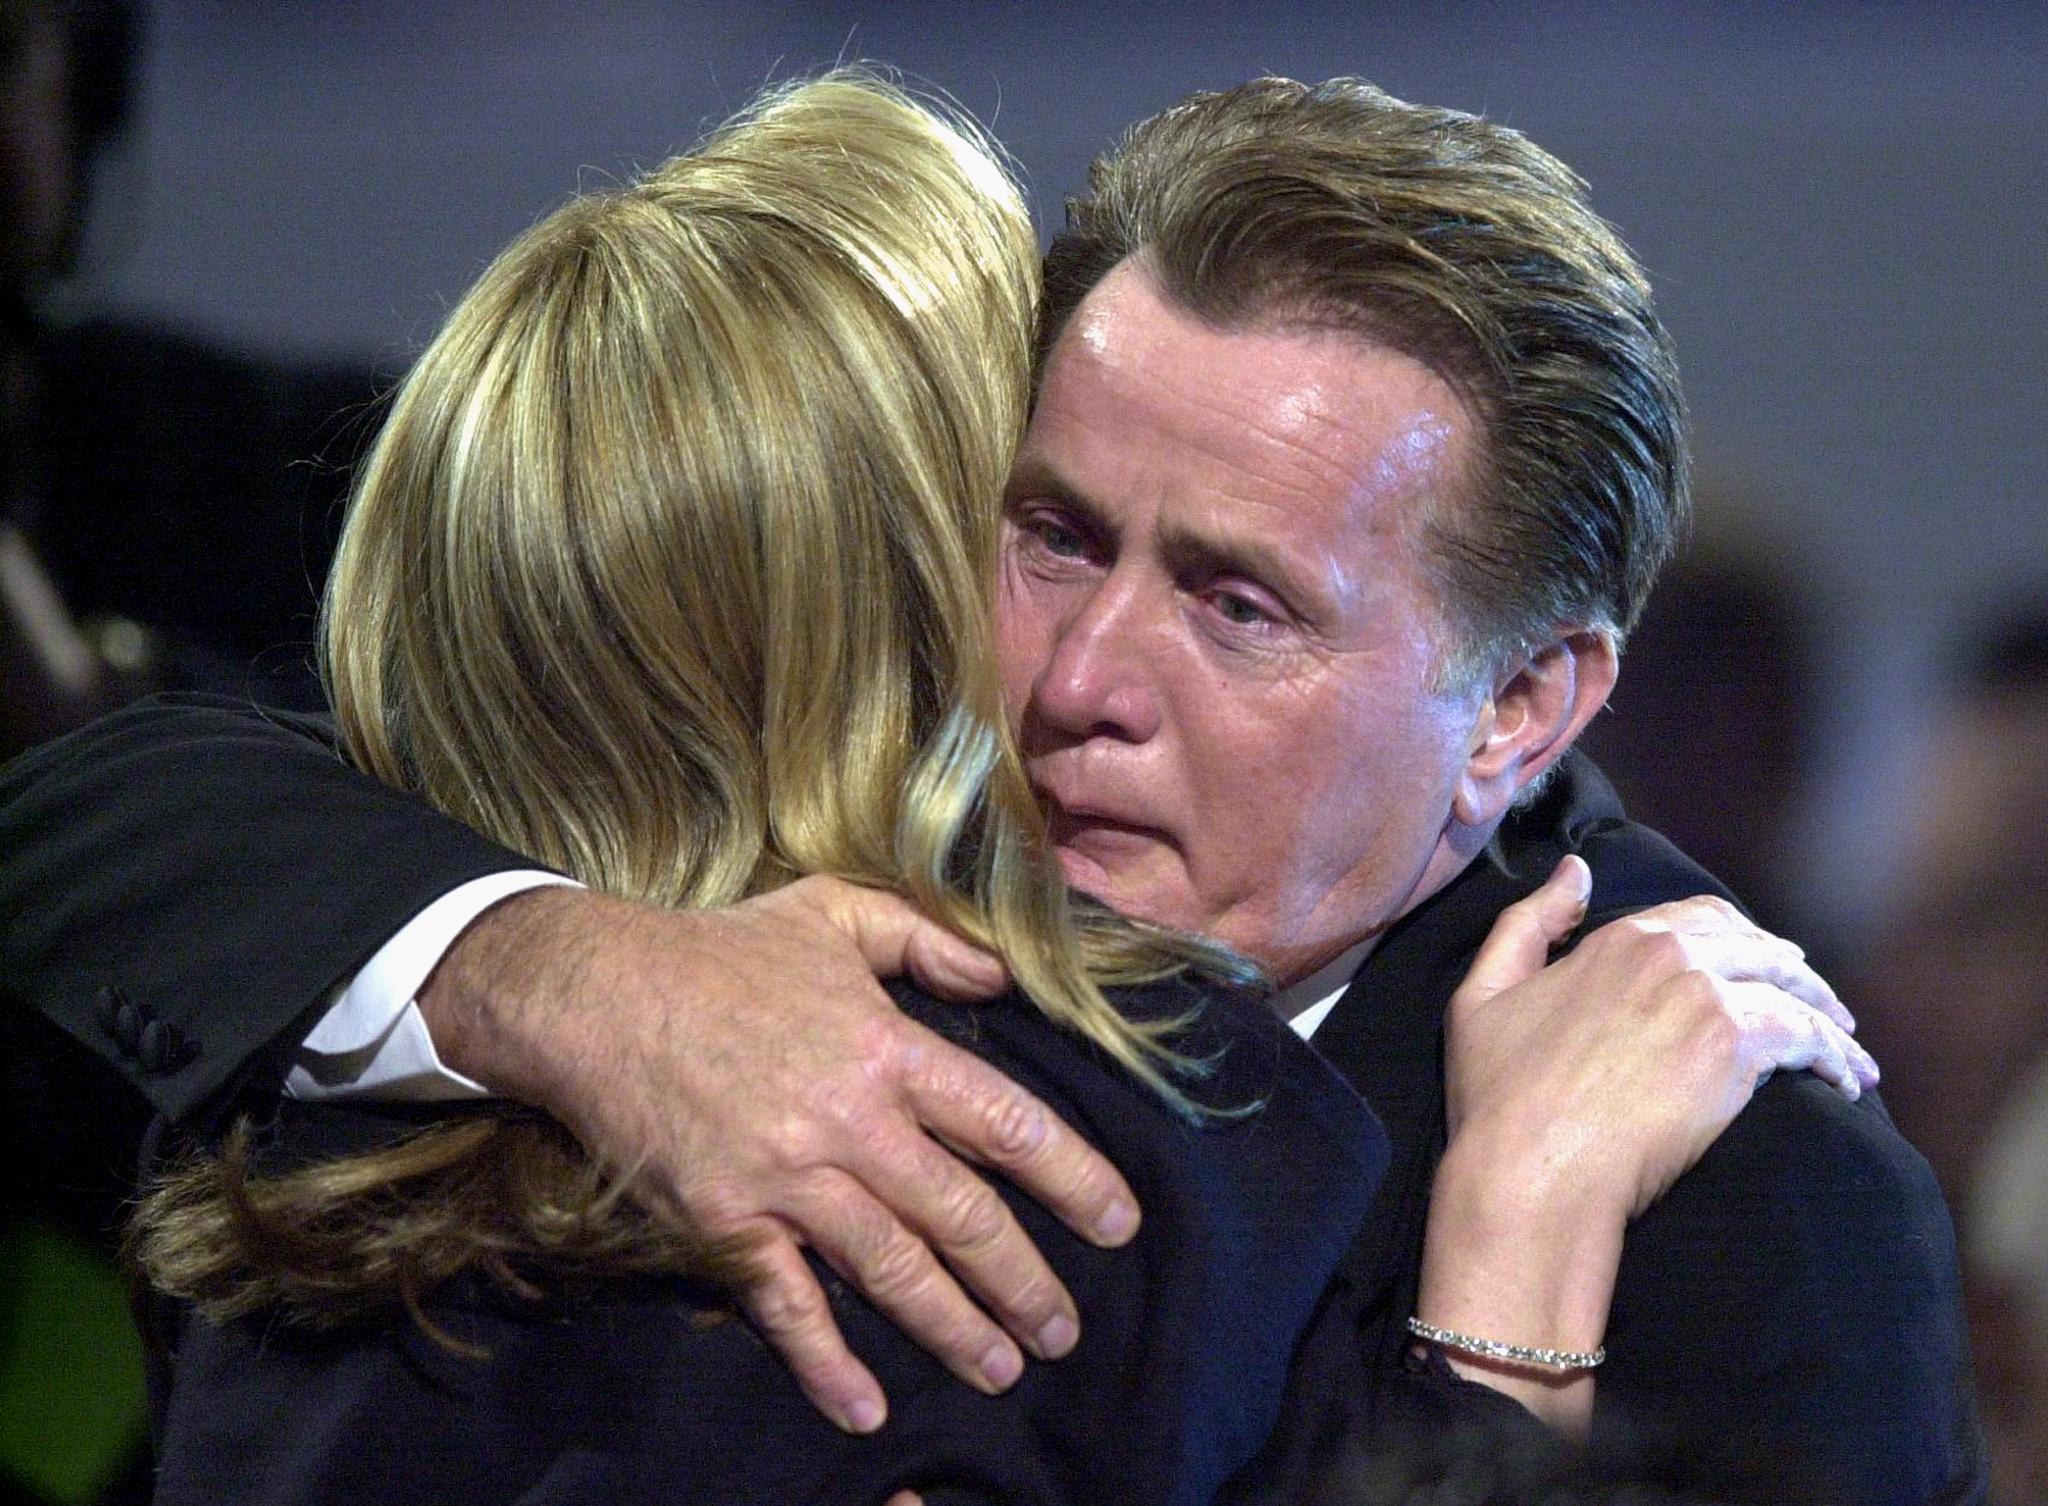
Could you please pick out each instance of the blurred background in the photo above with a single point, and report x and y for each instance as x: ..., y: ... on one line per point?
x: 228, y: 225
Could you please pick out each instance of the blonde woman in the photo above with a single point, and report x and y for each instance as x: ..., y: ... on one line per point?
x: 671, y: 569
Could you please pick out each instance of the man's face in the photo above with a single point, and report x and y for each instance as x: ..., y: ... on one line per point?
x: 1214, y: 631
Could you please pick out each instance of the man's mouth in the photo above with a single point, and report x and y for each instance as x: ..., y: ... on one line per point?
x: 1095, y: 845
x: 1066, y: 825
x: 1079, y: 814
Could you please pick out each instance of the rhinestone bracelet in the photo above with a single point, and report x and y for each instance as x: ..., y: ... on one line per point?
x: 1493, y: 1349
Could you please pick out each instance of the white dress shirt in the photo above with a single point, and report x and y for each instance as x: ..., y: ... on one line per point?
x: 1305, y: 1005
x: 372, y: 1042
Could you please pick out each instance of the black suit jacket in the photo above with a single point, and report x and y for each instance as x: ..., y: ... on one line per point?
x: 614, y: 1393
x: 1793, y: 1300
x: 157, y: 874
x: 1787, y: 1321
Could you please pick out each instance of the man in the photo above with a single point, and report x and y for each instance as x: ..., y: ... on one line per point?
x: 1356, y: 450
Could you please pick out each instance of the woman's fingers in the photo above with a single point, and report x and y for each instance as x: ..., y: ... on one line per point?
x: 1521, y: 940
x: 1783, y: 1033
x: 1729, y: 944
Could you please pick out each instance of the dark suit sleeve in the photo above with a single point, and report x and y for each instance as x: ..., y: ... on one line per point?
x: 183, y: 882
x: 1798, y: 1292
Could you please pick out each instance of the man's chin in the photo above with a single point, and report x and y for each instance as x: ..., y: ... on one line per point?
x: 1123, y: 892
x: 1083, y: 873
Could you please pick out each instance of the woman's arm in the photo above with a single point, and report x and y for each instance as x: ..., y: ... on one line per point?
x: 1577, y: 1093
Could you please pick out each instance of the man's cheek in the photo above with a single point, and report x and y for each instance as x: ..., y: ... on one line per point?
x: 1016, y: 683
x: 1018, y: 653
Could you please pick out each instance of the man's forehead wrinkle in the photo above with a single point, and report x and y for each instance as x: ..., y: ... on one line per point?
x: 1301, y: 437
x: 1308, y: 428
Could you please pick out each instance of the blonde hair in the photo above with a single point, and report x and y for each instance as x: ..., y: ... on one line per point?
x: 673, y: 569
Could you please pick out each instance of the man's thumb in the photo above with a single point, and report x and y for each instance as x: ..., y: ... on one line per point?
x: 1519, y: 944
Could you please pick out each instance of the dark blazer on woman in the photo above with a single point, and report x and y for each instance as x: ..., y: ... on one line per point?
x: 620, y: 1391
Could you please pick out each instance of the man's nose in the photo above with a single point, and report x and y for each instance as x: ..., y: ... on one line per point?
x: 1098, y: 681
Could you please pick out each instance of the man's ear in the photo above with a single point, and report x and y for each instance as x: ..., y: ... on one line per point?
x: 1538, y: 709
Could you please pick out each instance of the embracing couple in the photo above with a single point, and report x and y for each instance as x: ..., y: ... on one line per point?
x: 1315, y: 489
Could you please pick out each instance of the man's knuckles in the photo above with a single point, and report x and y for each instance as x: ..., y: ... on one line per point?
x: 864, y: 1241
x: 886, y: 1047
x: 783, y: 1305
x: 1018, y: 1128
x: 970, y: 1218
x: 892, y: 1266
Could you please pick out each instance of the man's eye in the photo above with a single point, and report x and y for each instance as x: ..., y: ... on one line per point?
x: 1240, y: 610
x: 1057, y: 538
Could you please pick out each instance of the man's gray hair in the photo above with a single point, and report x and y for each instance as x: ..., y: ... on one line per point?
x: 1462, y: 244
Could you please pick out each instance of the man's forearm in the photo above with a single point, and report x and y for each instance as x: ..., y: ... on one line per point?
x: 210, y: 870
x: 187, y: 881
x: 374, y: 1039
x: 499, y: 1004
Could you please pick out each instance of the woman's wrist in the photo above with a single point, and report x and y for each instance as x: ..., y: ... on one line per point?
x: 1521, y: 1250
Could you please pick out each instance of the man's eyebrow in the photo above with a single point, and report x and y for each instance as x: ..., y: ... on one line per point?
x: 1190, y: 553
x: 1184, y: 551
x: 1037, y: 479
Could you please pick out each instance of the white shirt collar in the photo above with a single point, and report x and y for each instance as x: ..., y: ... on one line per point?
x: 1306, y: 1004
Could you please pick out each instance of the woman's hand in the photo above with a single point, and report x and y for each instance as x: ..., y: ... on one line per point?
x: 1630, y: 1055
x: 1577, y: 1092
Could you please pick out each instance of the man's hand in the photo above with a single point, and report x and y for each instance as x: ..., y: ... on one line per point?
x: 767, y: 1090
